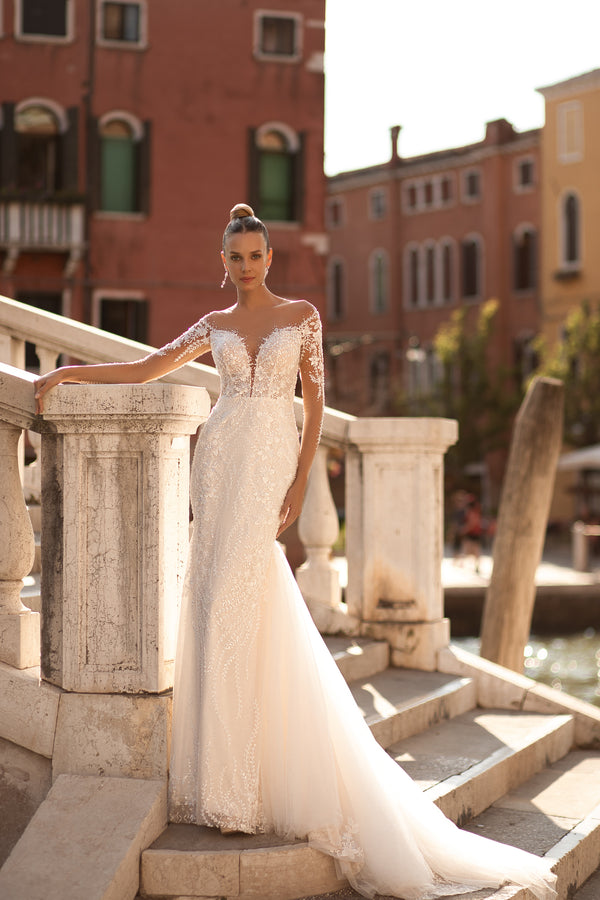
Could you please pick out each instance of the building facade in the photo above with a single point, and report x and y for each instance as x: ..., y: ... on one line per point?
x: 570, y: 269
x: 127, y: 132
x: 414, y: 239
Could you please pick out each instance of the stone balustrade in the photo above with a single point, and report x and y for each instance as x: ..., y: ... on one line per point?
x: 393, y: 514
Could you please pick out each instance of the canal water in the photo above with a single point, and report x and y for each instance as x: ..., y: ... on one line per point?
x: 569, y: 663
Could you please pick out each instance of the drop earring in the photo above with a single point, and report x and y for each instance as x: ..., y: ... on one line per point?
x: 224, y: 278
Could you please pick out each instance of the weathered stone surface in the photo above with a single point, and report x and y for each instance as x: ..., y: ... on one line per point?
x: 286, y: 872
x: 358, y: 657
x: 413, y: 645
x: 85, y: 840
x: 25, y: 779
x: 118, y: 735
x: 28, y: 709
x: 200, y: 874
x: 115, y: 522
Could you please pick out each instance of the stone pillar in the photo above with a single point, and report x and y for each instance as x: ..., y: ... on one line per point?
x: 394, y: 533
x: 115, y: 482
x: 318, y: 578
x: 19, y: 626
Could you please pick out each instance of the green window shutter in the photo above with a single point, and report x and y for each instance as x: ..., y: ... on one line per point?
x: 276, y: 186
x: 118, y: 159
x: 70, y: 151
x: 143, y: 150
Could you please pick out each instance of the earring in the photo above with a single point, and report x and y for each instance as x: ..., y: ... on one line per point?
x: 224, y: 278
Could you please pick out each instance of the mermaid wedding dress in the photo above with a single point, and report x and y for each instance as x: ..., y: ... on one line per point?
x: 266, y: 735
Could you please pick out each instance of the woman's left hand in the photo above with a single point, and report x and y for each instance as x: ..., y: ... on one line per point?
x: 291, y: 506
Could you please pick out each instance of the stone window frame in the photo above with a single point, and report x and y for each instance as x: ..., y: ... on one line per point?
x: 518, y: 186
x: 412, y: 250
x: 565, y: 264
x: 382, y: 195
x: 100, y: 294
x: 444, y: 243
x: 376, y: 254
x: 518, y: 234
x: 110, y: 43
x: 475, y: 238
x: 340, y: 203
x: 138, y: 135
x: 19, y: 35
x: 296, y: 17
x: 466, y: 196
x: 333, y: 314
x: 566, y: 155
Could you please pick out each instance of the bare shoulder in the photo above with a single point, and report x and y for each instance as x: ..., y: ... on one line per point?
x: 300, y: 311
x: 217, y: 317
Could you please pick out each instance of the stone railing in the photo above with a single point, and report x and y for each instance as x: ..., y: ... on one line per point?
x: 393, y: 512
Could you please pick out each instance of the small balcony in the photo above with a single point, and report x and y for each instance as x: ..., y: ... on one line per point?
x: 53, y: 226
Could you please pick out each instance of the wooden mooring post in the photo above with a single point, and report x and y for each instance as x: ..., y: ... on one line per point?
x: 522, y: 520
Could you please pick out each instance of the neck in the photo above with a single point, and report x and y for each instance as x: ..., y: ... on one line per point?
x: 259, y: 296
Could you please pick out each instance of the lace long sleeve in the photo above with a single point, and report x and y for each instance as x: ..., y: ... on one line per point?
x: 189, y: 345
x: 311, y: 354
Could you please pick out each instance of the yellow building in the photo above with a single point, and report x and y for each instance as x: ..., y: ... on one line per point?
x: 570, y: 197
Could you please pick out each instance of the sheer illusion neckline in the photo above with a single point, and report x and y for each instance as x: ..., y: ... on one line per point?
x: 253, y: 356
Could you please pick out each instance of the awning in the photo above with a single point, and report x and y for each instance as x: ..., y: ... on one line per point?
x: 586, y: 458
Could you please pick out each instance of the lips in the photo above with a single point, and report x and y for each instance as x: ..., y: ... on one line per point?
x: 248, y: 279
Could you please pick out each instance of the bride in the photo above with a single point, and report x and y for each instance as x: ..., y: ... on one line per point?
x: 266, y: 735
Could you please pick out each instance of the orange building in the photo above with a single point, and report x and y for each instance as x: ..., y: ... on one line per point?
x: 127, y: 134
x: 414, y: 239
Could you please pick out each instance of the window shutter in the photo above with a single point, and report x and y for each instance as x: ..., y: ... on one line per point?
x: 144, y: 169
x: 8, y: 148
x: 253, y: 170
x: 94, y: 163
x: 299, y: 180
x: 70, y: 154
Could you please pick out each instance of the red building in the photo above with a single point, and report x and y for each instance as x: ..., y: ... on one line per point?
x: 127, y: 132
x: 412, y: 240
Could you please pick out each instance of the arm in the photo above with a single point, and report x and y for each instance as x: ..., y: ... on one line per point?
x: 188, y: 346
x: 312, y: 376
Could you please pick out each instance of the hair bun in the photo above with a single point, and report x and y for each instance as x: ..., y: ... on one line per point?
x: 240, y: 211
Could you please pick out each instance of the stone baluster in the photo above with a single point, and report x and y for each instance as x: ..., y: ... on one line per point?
x: 19, y: 626
x: 394, y: 534
x: 12, y: 351
x: 32, y: 477
x: 318, y: 578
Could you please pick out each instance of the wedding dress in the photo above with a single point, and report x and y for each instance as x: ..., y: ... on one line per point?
x: 266, y: 735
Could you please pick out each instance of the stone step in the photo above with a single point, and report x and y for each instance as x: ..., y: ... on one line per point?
x: 359, y: 657
x: 467, y: 763
x: 399, y: 703
x: 505, y: 748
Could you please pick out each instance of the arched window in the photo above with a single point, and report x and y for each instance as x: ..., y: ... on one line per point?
x: 571, y: 214
x: 123, y: 165
x: 412, y: 276
x: 446, y: 272
x: 471, y: 268
x: 379, y: 281
x: 336, y: 289
x: 524, y: 256
x: 430, y: 285
x: 38, y: 149
x: 276, y: 170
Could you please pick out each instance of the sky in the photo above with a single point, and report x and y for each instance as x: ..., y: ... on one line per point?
x: 443, y: 68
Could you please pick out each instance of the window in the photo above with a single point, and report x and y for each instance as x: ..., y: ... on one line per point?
x: 336, y: 289
x: 472, y: 186
x: 428, y: 193
x: 124, y: 316
x: 43, y: 18
x: 379, y: 281
x: 446, y: 189
x: 411, y: 279
x: 411, y: 196
x: 121, y: 22
x: 524, y: 179
x: 524, y: 255
x: 277, y: 36
x: 123, y: 164
x: 430, y: 274
x: 38, y: 149
x: 377, y: 204
x: 471, y: 266
x: 447, y: 275
x: 275, y: 173
x: 570, y: 132
x: 335, y: 213
x: 570, y: 226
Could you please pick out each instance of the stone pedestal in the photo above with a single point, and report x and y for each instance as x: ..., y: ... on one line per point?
x: 115, y: 519
x: 394, y: 533
x: 19, y: 626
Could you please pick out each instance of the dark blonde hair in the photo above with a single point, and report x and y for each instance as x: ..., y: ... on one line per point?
x: 242, y: 219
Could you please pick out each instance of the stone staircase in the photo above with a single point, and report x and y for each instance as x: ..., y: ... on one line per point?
x: 513, y: 776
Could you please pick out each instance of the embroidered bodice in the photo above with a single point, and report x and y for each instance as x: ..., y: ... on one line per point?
x: 270, y: 370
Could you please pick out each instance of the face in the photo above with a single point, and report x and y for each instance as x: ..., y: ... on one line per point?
x: 247, y: 259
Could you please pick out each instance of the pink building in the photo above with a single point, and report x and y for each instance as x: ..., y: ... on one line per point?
x: 414, y: 239
x: 126, y: 137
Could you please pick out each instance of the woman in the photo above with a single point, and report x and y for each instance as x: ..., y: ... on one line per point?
x: 266, y: 735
